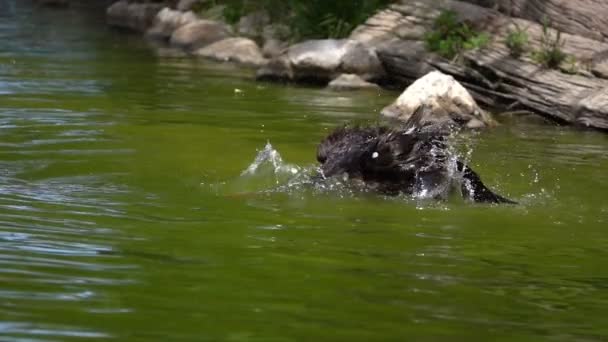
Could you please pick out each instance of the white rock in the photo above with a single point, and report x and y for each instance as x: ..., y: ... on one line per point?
x: 446, y: 98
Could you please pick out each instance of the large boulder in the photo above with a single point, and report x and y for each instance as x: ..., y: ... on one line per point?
x: 167, y: 21
x: 133, y: 16
x: 447, y: 99
x: 197, y: 34
x: 239, y: 50
x: 319, y: 61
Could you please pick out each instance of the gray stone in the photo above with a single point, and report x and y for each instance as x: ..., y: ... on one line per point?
x: 276, y: 70
x: 239, y: 50
x: 585, y: 18
x: 601, y: 69
x: 134, y: 16
x: 199, y: 33
x: 494, y: 77
x: 319, y: 61
x: 350, y: 82
x: 167, y: 21
x: 378, y: 28
x: 273, y: 48
x: 593, y: 110
x: 362, y: 61
x: 323, y: 54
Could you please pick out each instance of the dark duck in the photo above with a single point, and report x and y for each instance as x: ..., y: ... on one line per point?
x: 413, y: 160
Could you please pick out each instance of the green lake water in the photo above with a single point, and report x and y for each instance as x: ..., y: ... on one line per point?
x: 124, y: 215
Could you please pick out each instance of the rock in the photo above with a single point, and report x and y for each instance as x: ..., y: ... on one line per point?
x: 350, y: 82
x: 273, y: 48
x: 276, y: 31
x: 239, y: 50
x: 362, y: 61
x: 276, y: 70
x: 133, y: 16
x: 200, y: 33
x: 492, y: 75
x: 447, y: 99
x: 187, y: 5
x: 252, y: 24
x: 593, y: 110
x: 324, y: 55
x: 405, y: 60
x: 586, y: 18
x: 601, y: 69
x: 167, y: 21
x: 380, y: 27
x: 319, y: 61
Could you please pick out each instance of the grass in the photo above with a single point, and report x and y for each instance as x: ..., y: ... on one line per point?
x: 307, y: 19
x: 450, y: 36
x: 517, y: 41
x: 550, y: 53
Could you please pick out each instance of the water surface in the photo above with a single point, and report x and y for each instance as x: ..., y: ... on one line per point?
x: 124, y: 215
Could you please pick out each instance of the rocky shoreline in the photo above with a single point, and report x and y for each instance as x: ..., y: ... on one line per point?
x: 576, y: 95
x: 389, y: 50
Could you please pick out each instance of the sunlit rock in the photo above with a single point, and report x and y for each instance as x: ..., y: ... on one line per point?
x: 199, y: 33
x: 167, y: 21
x: 447, y: 99
x: 319, y: 61
x: 239, y: 50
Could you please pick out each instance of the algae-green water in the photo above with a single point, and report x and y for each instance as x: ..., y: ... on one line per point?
x: 124, y: 215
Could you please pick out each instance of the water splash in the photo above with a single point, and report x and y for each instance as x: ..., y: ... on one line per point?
x: 431, y: 184
x: 269, y: 173
x: 269, y: 159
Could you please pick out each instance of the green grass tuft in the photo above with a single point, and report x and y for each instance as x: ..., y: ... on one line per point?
x: 517, y: 41
x: 550, y: 53
x: 450, y: 37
